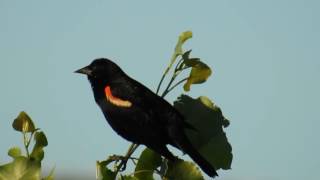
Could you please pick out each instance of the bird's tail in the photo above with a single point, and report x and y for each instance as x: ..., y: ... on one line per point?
x: 188, y: 148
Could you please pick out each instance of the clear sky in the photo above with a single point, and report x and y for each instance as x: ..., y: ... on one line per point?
x: 265, y: 57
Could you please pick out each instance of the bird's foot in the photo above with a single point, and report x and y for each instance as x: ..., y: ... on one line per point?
x: 124, y: 164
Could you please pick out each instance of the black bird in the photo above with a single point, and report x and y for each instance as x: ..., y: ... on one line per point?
x: 139, y: 115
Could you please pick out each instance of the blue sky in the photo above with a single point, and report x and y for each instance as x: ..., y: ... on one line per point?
x: 264, y: 54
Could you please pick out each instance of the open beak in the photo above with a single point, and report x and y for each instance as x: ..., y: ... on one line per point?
x: 86, y: 70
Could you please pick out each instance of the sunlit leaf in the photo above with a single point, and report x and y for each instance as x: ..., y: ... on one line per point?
x: 199, y: 73
x: 208, y: 103
x: 50, y: 176
x: 148, y: 162
x: 103, y: 172
x: 209, y: 121
x: 23, y: 123
x: 182, y: 39
x: 20, y: 168
x: 127, y: 177
x: 178, y: 49
x: 14, y: 152
x: 183, y: 170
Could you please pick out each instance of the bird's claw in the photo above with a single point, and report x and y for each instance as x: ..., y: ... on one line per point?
x: 124, y: 165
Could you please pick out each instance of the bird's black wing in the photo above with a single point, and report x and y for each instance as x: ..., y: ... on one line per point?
x: 167, y: 123
x: 144, y: 111
x: 161, y: 111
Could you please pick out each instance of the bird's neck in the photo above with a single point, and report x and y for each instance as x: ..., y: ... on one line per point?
x: 98, y: 86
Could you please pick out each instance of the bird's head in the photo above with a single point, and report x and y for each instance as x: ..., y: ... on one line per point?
x: 101, y: 68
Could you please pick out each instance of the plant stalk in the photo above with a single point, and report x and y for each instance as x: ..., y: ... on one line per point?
x: 26, y: 143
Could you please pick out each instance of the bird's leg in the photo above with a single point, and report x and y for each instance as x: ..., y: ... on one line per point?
x: 123, y: 164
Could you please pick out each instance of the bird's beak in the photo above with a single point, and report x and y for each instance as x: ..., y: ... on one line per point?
x: 86, y: 70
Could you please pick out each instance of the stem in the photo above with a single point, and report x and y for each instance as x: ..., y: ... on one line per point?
x: 172, y: 60
x: 133, y: 161
x: 29, y: 141
x: 162, y: 78
x: 26, y: 143
x: 177, y: 70
x: 165, y: 92
x: 181, y: 81
x: 179, y: 65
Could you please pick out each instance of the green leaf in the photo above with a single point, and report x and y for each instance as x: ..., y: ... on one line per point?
x: 183, y: 170
x: 182, y: 39
x: 14, y: 152
x: 41, y: 139
x: 189, y: 62
x: 210, y: 138
x: 50, y: 176
x: 23, y: 123
x: 103, y: 172
x: 148, y: 162
x: 208, y: 103
x: 178, y: 49
x: 126, y: 177
x: 41, y: 142
x: 218, y: 152
x: 21, y: 168
x: 186, y: 54
x: 199, y: 73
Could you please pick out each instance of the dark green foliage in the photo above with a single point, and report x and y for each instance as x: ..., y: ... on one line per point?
x: 148, y: 162
x: 41, y: 142
x: 210, y: 138
x: 23, y: 123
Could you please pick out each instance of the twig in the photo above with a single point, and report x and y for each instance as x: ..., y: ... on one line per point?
x: 165, y: 92
x: 181, y: 81
x: 162, y: 78
x: 26, y: 143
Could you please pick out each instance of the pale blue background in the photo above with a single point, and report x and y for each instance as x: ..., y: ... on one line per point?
x: 265, y: 57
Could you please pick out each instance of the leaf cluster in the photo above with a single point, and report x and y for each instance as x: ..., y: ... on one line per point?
x: 26, y: 166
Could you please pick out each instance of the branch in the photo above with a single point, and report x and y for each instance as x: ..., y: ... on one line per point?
x: 181, y: 81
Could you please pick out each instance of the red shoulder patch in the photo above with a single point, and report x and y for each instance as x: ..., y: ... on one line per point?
x: 115, y: 100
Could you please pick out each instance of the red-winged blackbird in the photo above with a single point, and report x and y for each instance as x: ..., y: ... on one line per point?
x: 139, y: 115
